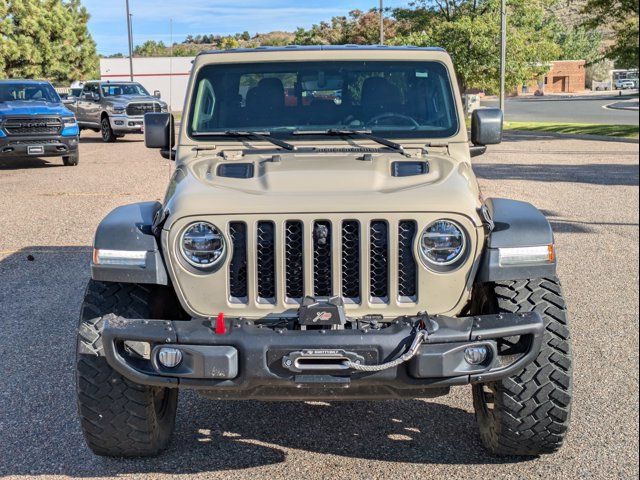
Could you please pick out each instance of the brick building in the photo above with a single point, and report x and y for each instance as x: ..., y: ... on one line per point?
x: 564, y: 76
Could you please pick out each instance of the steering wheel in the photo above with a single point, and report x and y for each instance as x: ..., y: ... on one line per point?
x: 376, y: 120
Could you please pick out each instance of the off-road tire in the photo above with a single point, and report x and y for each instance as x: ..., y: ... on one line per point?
x: 71, y: 160
x: 119, y: 418
x: 528, y: 414
x: 108, y: 136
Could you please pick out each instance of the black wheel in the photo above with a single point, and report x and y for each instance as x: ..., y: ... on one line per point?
x: 528, y: 413
x: 119, y: 418
x: 71, y: 160
x: 107, y: 132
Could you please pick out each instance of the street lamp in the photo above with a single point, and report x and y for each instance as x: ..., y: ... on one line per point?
x: 381, y: 22
x: 130, y: 33
x: 503, y: 53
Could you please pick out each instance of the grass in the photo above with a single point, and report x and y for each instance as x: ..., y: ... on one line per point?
x: 621, y: 131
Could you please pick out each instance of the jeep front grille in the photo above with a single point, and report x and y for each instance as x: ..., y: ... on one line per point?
x: 33, y: 126
x: 351, y: 261
x: 294, y: 260
x: 238, y: 265
x: 362, y: 261
x: 138, y: 109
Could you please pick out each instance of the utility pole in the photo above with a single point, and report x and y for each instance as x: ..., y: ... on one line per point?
x: 130, y: 33
x: 381, y: 22
x: 503, y: 54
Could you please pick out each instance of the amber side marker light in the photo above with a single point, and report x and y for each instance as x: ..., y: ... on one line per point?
x: 126, y: 258
x: 527, y: 255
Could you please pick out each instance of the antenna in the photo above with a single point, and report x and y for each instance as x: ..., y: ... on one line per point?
x: 171, y: 125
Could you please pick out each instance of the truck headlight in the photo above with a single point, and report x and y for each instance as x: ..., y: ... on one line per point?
x: 202, y: 245
x: 70, y: 127
x: 443, y: 243
x: 117, y: 109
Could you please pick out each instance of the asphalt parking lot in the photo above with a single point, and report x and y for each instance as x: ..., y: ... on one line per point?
x: 48, y: 214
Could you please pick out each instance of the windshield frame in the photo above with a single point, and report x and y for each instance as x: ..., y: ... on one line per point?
x: 291, y: 134
x: 47, y: 87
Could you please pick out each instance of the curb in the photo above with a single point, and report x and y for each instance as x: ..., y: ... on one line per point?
x: 596, y: 138
x: 616, y: 106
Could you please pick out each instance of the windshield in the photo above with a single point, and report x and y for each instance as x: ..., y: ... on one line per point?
x: 114, y: 89
x: 28, y: 92
x: 408, y: 99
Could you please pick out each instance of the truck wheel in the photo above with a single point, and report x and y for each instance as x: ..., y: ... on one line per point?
x: 528, y: 413
x: 107, y: 132
x: 71, y: 160
x: 119, y: 418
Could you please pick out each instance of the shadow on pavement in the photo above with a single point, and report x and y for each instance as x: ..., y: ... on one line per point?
x: 41, y: 295
x: 29, y: 162
x: 592, y: 174
x: 97, y: 139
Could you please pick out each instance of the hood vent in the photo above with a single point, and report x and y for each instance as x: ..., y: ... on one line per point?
x: 236, y: 170
x: 409, y: 169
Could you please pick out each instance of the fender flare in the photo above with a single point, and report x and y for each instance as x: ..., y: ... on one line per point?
x: 130, y: 228
x: 514, y: 224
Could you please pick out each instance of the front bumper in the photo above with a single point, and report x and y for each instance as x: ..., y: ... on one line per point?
x: 127, y: 124
x: 34, y: 146
x: 250, y: 362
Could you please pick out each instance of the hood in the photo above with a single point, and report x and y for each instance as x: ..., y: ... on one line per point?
x: 33, y: 108
x: 125, y: 99
x: 322, y: 183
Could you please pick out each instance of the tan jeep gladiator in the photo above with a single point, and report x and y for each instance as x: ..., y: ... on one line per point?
x: 324, y: 237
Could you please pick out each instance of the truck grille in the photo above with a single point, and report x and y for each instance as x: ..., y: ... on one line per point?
x: 361, y: 261
x: 138, y: 109
x: 33, y: 126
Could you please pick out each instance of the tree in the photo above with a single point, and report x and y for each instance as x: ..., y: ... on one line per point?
x: 150, y: 48
x: 621, y: 16
x: 358, y: 28
x: 46, y: 39
x: 579, y: 43
x: 228, y: 43
x: 470, y: 31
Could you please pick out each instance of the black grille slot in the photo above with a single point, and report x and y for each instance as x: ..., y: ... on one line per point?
x: 379, y: 265
x: 266, y: 263
x: 322, y: 284
x: 238, y: 266
x: 137, y: 109
x: 294, y: 259
x: 407, y: 268
x: 351, y: 260
x: 33, y: 126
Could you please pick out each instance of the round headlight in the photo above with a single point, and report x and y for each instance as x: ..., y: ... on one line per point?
x: 202, y: 245
x: 443, y: 243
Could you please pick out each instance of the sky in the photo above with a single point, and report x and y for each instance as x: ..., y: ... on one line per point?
x: 151, y: 18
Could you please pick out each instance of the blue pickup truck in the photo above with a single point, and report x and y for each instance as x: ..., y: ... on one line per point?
x: 35, y: 123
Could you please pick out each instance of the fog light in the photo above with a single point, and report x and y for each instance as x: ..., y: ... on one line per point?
x: 169, y: 357
x: 476, y: 355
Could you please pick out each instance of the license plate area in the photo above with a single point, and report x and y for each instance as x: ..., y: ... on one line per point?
x: 35, y: 150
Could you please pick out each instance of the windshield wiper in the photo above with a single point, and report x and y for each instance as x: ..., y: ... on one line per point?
x: 351, y: 133
x: 266, y: 136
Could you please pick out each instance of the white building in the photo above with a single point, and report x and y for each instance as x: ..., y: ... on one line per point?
x: 169, y: 76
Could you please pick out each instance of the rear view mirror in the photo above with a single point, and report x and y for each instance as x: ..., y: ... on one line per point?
x: 160, y: 132
x: 486, y: 126
x: 157, y: 94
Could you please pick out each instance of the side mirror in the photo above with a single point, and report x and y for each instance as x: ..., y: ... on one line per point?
x: 486, y: 126
x: 157, y: 94
x: 160, y: 132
